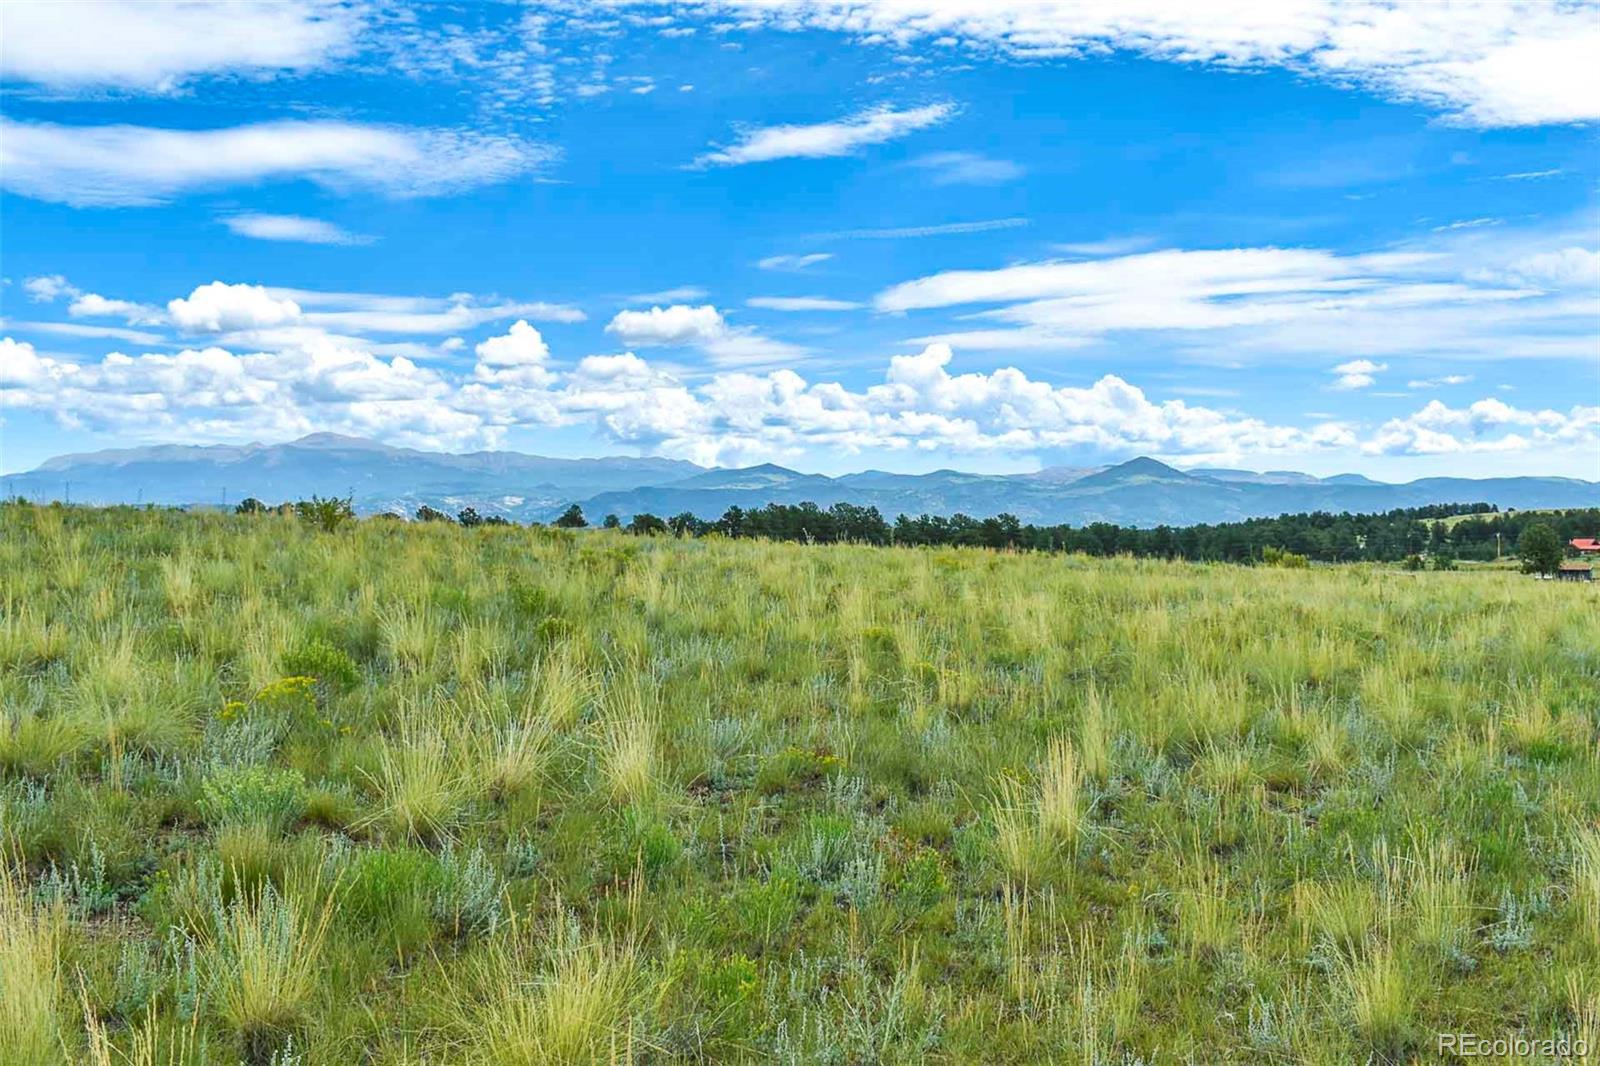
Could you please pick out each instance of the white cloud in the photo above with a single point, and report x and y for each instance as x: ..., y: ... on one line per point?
x: 140, y: 165
x: 794, y: 262
x: 1488, y: 425
x: 823, y: 139
x: 678, y: 324
x: 801, y: 303
x: 220, y: 307
x: 735, y: 416
x: 1108, y: 246
x: 1358, y: 373
x: 944, y: 229
x: 125, y: 44
x: 1468, y: 223
x: 517, y: 357
x: 49, y: 288
x: 1483, y: 63
x: 1577, y: 268
x: 520, y: 346
x: 78, y: 329
x: 292, y: 228
x: 1434, y: 383
x: 1283, y: 301
x: 703, y: 327
x: 681, y: 294
x: 966, y: 168
x: 93, y: 305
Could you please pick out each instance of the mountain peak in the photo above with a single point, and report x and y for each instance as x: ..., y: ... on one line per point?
x: 1146, y: 466
x: 338, y: 440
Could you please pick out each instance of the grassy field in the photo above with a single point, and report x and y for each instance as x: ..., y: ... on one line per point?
x: 420, y: 794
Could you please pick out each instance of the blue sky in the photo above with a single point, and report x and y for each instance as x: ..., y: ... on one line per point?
x: 907, y: 235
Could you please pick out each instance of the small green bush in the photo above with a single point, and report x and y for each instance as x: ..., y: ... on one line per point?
x: 328, y: 664
x: 244, y: 795
x: 325, y: 513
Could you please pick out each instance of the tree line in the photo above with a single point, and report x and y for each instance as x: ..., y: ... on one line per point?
x: 1392, y: 536
x: 1416, y: 536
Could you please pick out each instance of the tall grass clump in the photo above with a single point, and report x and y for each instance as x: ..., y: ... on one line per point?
x: 32, y: 1027
x: 265, y: 957
x: 1019, y: 840
x: 629, y: 762
x: 1379, y: 996
x: 1586, y: 883
x: 569, y: 1001
x: 421, y: 788
x: 1061, y: 806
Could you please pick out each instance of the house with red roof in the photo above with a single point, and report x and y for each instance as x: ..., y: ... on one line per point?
x: 1585, y: 545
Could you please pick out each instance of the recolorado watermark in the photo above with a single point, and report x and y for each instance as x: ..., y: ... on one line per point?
x: 1473, y: 1046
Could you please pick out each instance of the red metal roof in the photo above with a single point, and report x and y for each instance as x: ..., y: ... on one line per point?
x: 1585, y: 544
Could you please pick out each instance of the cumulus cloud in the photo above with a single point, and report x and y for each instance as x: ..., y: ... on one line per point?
x: 732, y: 416
x: 1358, y: 373
x: 819, y: 140
x: 219, y: 306
x: 292, y: 228
x: 125, y: 44
x: 1482, y: 63
x: 141, y: 165
x: 1489, y: 425
x: 703, y: 327
x: 517, y: 357
x: 678, y: 324
x: 48, y: 288
x: 520, y: 346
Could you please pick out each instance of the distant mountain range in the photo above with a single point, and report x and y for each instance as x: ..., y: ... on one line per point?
x: 1141, y: 492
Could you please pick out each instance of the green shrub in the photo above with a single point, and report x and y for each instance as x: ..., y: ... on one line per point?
x: 330, y: 665
x: 325, y: 513
x: 244, y: 795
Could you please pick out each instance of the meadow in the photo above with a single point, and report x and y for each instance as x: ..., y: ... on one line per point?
x: 413, y: 793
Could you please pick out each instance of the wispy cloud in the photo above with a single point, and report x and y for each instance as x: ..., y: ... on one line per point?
x: 820, y: 140
x: 1108, y: 246
x: 296, y: 228
x: 1532, y: 175
x: 140, y: 165
x: 1484, y: 64
x: 794, y: 262
x: 966, y: 168
x: 1468, y: 223
x: 156, y: 48
x: 801, y: 303
x: 945, y: 229
x: 681, y: 294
